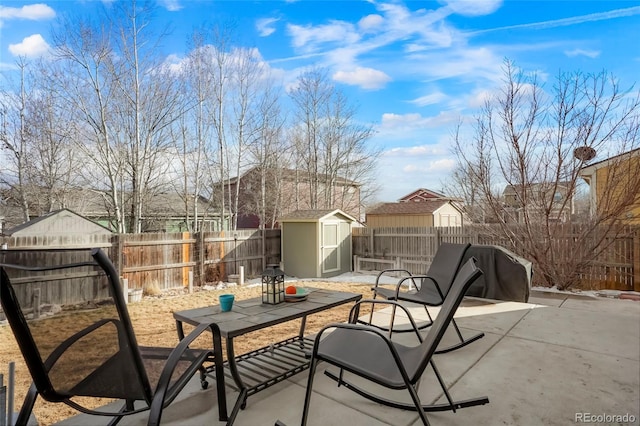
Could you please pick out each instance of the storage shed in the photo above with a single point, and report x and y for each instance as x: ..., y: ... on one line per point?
x: 316, y: 243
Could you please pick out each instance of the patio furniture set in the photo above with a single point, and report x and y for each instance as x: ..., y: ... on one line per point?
x: 101, y: 358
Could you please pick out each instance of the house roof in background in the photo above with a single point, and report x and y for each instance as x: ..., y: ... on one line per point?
x: 422, y: 207
x: 422, y: 194
x: 591, y: 168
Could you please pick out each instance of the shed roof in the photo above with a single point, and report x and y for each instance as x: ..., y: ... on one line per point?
x: 422, y: 207
x: 313, y: 215
x: 63, y: 221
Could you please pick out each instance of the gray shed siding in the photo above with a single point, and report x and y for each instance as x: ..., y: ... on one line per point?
x: 300, y: 249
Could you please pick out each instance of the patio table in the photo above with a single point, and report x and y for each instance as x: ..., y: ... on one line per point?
x: 264, y: 367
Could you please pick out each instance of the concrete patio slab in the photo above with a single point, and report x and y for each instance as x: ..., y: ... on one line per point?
x: 604, y: 331
x: 539, y: 365
x: 545, y: 384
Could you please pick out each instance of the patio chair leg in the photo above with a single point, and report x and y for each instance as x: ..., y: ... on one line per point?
x: 418, y: 404
x: 443, y: 386
x: 449, y: 406
x: 307, y: 397
x: 27, y: 406
x: 463, y: 341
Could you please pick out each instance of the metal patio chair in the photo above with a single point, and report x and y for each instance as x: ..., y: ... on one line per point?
x: 432, y: 289
x: 368, y: 352
x: 97, y: 355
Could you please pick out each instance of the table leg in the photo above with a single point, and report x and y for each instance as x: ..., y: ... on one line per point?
x: 303, y: 324
x: 241, y: 402
x: 219, y: 367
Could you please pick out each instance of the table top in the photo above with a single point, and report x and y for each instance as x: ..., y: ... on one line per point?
x: 251, y: 314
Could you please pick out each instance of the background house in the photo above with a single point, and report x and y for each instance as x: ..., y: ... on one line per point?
x: 533, y: 199
x: 163, y: 212
x: 288, y: 190
x: 420, y: 208
x: 433, y: 213
x: 423, y: 194
x: 614, y: 178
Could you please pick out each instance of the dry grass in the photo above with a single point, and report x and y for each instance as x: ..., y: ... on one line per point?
x: 154, y: 326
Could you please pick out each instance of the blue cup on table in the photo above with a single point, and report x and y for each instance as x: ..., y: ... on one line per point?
x: 226, y: 302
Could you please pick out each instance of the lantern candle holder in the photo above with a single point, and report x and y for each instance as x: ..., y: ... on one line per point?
x: 272, y: 285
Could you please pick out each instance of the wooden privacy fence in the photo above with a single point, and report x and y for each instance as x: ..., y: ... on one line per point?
x: 170, y: 260
x: 161, y: 260
x: 374, y: 249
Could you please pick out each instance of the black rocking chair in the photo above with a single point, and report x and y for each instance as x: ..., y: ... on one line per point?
x: 98, y: 355
x: 368, y: 352
x: 432, y: 290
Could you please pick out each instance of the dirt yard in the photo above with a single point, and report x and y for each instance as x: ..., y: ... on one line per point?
x: 154, y: 326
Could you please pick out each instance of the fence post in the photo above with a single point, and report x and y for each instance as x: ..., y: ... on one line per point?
x: 199, y: 258
x: 356, y: 264
x: 372, y: 243
x: 125, y: 289
x: 36, y: 303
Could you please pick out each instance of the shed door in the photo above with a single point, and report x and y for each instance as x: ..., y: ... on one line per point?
x: 330, y: 247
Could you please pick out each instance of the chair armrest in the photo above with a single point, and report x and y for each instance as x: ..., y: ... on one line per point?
x: 356, y: 308
x: 387, y: 271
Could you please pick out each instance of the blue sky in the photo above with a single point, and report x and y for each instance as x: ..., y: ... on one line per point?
x: 414, y: 69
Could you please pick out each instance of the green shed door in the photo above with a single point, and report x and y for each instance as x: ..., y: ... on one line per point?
x: 330, y: 247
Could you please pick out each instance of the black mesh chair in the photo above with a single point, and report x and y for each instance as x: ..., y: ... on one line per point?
x: 97, y: 355
x: 368, y: 352
x: 431, y: 289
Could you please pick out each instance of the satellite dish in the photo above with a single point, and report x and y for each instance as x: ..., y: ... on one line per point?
x: 584, y: 153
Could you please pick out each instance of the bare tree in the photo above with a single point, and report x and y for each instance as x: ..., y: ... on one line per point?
x: 525, y: 138
x: 268, y: 152
x: 151, y: 103
x: 329, y: 142
x: 16, y: 173
x: 87, y: 80
x: 54, y: 158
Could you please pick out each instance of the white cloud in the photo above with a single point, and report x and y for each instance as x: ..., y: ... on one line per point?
x: 436, y: 166
x: 371, y: 23
x: 473, y: 8
x: 32, y: 12
x: 30, y: 47
x: 415, y: 151
x: 582, y: 52
x: 310, y: 36
x: 265, y: 26
x: 367, y: 78
x: 574, y: 20
x: 402, y: 122
x: 172, y: 5
x: 479, y: 98
x: 430, y: 99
